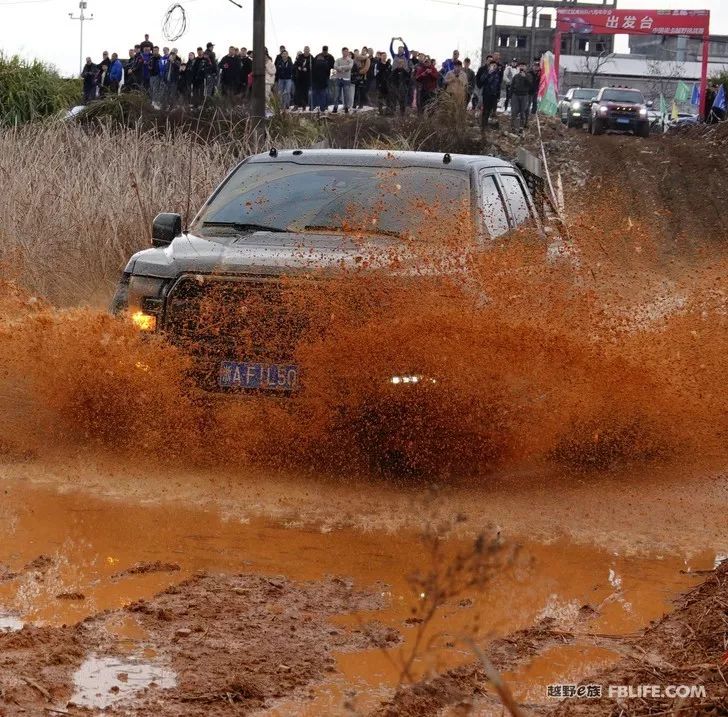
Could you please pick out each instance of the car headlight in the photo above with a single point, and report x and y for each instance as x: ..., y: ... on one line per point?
x: 603, y: 109
x: 145, y: 300
x: 576, y: 105
x: 643, y: 112
x: 396, y: 380
x: 411, y: 379
x: 144, y: 322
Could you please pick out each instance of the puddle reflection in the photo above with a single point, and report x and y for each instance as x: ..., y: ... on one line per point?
x: 10, y: 623
x: 103, y: 681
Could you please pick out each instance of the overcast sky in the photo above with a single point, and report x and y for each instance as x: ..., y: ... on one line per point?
x: 42, y: 28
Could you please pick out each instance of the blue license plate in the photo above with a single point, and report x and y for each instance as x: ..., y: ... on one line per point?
x: 623, y: 120
x: 263, y: 376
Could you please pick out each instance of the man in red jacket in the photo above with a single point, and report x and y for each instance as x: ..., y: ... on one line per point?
x: 427, y: 77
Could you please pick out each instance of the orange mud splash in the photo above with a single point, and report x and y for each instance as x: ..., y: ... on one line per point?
x: 605, y: 354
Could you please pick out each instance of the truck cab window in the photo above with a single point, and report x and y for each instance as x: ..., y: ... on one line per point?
x: 494, y: 213
x: 516, y: 196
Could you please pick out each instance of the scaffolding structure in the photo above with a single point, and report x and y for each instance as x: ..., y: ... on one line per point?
x: 535, y: 32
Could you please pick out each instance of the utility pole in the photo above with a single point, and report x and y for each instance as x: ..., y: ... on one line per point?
x: 258, y: 103
x: 81, y: 17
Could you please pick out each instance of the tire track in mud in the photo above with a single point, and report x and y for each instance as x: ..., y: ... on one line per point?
x: 680, y: 185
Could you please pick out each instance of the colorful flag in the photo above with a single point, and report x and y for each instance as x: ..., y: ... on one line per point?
x: 719, y: 102
x: 682, y: 92
x: 695, y: 97
x: 548, y: 86
x: 663, y: 105
x: 674, y: 114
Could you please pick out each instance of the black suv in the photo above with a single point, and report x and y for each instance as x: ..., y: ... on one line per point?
x: 620, y: 109
x: 575, y: 108
x: 287, y: 214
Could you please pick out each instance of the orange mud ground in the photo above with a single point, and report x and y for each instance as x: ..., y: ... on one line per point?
x: 172, y: 553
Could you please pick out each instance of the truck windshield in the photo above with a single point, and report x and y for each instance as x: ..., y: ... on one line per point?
x: 284, y: 196
x: 633, y: 96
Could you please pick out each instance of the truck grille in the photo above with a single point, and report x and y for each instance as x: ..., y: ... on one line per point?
x: 217, y: 319
x: 627, y: 112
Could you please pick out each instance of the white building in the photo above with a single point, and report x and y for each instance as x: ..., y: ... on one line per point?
x: 653, y: 77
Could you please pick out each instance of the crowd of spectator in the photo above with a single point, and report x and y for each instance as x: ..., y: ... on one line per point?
x: 400, y: 80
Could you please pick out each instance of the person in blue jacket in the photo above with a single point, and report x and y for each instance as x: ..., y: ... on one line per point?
x: 449, y: 64
x: 402, y: 50
x: 116, y: 72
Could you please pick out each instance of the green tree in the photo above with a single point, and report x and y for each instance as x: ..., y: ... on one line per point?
x: 720, y: 78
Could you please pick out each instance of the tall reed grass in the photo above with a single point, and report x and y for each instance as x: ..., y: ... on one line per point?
x: 76, y: 204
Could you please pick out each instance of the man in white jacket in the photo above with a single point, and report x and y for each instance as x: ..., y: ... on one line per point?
x: 343, y: 67
x: 508, y: 74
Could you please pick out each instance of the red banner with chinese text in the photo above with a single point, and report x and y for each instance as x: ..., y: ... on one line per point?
x: 609, y: 21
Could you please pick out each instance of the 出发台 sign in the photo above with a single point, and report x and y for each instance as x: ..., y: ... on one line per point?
x: 609, y: 21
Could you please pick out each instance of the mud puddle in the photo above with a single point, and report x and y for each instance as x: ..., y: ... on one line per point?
x: 102, y: 681
x: 9, y: 623
x: 67, y: 557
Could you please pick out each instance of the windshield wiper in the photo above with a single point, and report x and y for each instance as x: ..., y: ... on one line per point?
x: 355, y: 232
x: 242, y: 227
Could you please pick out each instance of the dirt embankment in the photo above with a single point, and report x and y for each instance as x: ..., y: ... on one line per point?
x: 232, y: 643
x: 688, y: 646
x: 677, y: 185
x: 467, y: 685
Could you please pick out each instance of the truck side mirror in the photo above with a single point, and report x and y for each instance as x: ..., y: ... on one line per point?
x: 165, y: 228
x: 650, y: 105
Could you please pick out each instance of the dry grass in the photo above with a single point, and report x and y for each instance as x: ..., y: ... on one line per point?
x: 79, y: 198
x: 76, y: 204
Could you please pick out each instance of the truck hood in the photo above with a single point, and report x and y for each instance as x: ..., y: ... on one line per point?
x: 271, y: 253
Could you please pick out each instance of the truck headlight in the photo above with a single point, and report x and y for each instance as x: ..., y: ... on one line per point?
x: 603, y: 109
x: 145, y: 301
x: 411, y: 379
x: 643, y: 111
x: 144, y: 322
x: 576, y: 105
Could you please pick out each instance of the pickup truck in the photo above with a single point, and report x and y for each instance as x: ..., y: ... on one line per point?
x: 287, y: 214
x: 620, y: 109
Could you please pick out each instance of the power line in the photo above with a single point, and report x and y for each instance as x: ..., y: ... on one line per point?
x: 23, y: 2
x: 269, y: 14
x: 454, y: 3
x: 501, y: 11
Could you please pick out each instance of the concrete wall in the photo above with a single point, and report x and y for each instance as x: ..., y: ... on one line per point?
x: 653, y: 78
x: 648, y: 86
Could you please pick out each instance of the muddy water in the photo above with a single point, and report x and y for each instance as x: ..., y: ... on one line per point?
x: 90, y: 541
x: 103, y: 681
